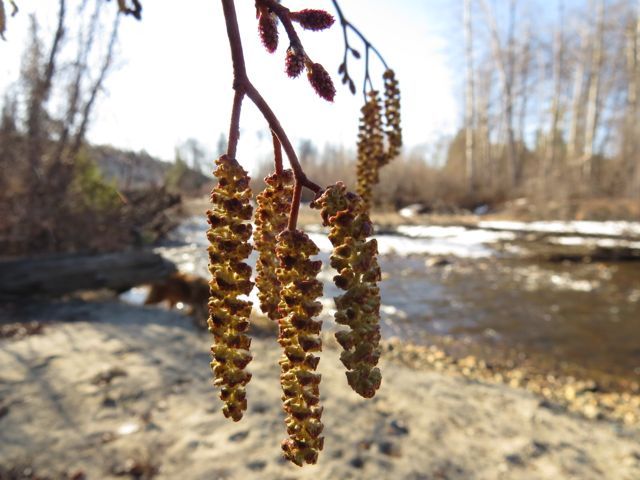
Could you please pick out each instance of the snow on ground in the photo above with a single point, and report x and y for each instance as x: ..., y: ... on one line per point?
x: 598, y: 242
x: 464, y: 246
x: 611, y: 228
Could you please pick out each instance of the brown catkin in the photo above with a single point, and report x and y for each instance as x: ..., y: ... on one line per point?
x: 299, y: 337
x: 354, y: 257
x: 371, y: 150
x: 271, y: 219
x: 268, y: 29
x: 393, y: 129
x: 228, y: 321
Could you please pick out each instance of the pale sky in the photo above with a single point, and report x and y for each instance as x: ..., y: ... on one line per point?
x: 174, y: 76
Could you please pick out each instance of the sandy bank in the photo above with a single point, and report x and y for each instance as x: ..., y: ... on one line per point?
x: 110, y: 391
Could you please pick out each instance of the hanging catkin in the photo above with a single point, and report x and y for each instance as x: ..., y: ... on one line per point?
x: 393, y: 129
x: 371, y: 150
x: 299, y: 337
x: 271, y: 219
x: 354, y: 257
x: 230, y: 277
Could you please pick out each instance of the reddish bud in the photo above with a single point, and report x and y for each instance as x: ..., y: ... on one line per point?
x: 311, y: 19
x: 294, y: 62
x: 268, y: 30
x: 321, y: 81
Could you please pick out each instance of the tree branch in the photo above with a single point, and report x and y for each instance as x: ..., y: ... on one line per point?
x: 243, y: 86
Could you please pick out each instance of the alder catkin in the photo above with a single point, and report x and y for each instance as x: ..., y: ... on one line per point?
x: 393, y: 129
x: 299, y: 337
x: 268, y: 29
x: 313, y: 19
x: 371, y: 151
x: 354, y: 257
x: 321, y: 81
x: 271, y: 218
x: 228, y: 321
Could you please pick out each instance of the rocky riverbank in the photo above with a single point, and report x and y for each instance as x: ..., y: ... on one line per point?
x: 105, y: 390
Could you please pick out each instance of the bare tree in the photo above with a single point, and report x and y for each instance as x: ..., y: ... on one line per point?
x: 505, y: 63
x: 593, y: 96
x: 470, y: 115
x: 552, y: 154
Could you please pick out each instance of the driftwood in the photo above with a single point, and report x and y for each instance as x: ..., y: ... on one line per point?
x: 62, y: 274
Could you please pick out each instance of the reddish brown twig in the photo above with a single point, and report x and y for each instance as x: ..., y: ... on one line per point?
x: 277, y: 153
x: 243, y: 86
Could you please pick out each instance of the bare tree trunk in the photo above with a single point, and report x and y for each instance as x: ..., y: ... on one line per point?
x: 486, y: 171
x: 574, y: 146
x: 61, y: 172
x: 631, y: 147
x: 469, y: 117
x: 505, y: 68
x: 558, y: 62
x: 40, y: 89
x: 524, y: 73
x: 593, y: 99
x: 636, y: 184
x: 85, y: 46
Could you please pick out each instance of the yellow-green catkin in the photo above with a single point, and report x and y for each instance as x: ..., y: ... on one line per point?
x: 228, y: 235
x: 393, y: 128
x: 371, y: 151
x: 355, y: 259
x: 299, y: 337
x: 271, y: 219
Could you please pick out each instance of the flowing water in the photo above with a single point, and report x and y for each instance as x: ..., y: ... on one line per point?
x: 482, y: 292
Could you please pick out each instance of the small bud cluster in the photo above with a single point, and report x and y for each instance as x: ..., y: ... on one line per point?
x: 268, y: 29
x: 230, y: 277
x: 299, y: 338
x: 372, y: 151
x: 296, y: 59
x: 311, y: 19
x: 271, y: 219
x: 354, y: 257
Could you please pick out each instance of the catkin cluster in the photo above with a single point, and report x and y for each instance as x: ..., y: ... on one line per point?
x: 228, y: 321
x: 370, y: 146
x: 354, y: 257
x: 393, y: 129
x: 379, y: 136
x: 271, y: 219
x: 299, y: 338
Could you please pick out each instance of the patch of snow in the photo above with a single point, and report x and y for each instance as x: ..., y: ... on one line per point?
x: 135, y: 295
x: 410, y: 210
x: 611, y: 228
x: 422, y: 231
x: 564, y: 282
x: 598, y: 242
x: 466, y: 245
x: 128, y: 428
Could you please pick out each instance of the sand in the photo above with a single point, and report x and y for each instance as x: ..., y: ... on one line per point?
x: 107, y: 390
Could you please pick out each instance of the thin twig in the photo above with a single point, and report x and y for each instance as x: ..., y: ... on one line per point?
x: 234, y: 127
x: 295, y: 206
x: 368, y: 46
x: 346, y: 24
x: 277, y: 153
x: 243, y: 86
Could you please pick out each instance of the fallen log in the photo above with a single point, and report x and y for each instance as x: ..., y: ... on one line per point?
x: 61, y: 274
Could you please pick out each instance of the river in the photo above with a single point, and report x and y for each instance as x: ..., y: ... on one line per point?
x: 473, y: 290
